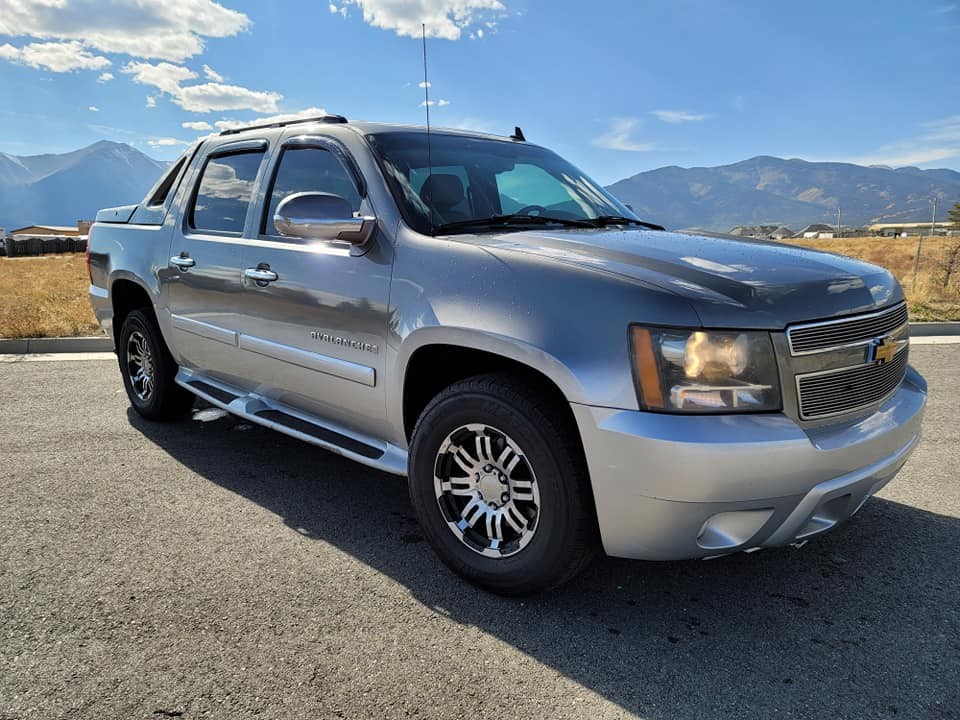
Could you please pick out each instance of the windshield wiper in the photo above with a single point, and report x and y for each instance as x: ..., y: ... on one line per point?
x: 507, y: 220
x: 605, y: 220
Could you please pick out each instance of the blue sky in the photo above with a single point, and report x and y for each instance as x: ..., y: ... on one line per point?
x: 616, y: 87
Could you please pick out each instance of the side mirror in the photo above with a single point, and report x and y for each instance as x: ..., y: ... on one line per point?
x: 321, y: 216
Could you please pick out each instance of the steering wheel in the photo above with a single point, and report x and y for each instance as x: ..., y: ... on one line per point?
x: 527, y: 209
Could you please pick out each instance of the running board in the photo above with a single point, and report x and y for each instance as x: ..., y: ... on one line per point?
x: 289, y: 421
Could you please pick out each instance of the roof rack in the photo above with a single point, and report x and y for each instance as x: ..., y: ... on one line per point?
x: 333, y: 119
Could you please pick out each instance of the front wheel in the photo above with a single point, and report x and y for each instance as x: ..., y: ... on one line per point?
x: 499, y: 485
x: 149, y: 370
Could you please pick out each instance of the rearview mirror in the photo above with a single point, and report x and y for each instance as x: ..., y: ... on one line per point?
x: 321, y: 216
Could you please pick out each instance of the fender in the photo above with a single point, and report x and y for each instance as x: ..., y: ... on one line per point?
x: 463, y: 337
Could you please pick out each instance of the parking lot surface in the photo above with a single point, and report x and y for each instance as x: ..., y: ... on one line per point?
x: 208, y: 568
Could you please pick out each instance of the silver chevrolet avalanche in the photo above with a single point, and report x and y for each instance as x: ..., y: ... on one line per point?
x: 553, y: 374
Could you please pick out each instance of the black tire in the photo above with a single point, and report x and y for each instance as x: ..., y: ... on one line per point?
x: 565, y: 537
x: 165, y: 400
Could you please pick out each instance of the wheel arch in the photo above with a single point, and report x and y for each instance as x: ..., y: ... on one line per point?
x: 127, y: 294
x: 435, y: 360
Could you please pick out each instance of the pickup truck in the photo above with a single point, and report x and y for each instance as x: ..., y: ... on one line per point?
x: 551, y: 373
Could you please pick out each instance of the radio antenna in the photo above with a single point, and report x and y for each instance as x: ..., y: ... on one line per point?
x: 426, y: 96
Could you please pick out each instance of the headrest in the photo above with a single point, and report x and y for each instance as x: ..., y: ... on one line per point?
x: 442, y: 191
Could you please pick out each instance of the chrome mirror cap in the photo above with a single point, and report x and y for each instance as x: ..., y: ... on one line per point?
x: 322, y: 216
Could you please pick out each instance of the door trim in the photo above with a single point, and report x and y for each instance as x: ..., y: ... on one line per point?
x: 205, y: 330
x: 355, y: 372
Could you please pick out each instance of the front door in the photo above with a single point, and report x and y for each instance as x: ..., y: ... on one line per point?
x: 315, y: 312
x: 203, y: 281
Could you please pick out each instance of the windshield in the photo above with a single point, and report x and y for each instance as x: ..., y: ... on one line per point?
x: 468, y: 180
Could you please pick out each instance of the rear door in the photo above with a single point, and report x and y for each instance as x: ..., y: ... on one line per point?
x: 315, y: 334
x: 203, y: 278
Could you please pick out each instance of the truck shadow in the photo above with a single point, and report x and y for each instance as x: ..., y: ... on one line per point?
x: 860, y: 623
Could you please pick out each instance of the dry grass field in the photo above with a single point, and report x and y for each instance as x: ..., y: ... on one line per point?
x: 47, y: 296
x: 936, y: 295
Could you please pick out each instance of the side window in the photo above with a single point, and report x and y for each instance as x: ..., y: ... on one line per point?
x: 224, y: 192
x: 309, y: 169
x: 163, y: 188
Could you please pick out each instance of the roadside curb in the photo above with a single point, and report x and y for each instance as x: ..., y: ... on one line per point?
x: 924, y: 329
x: 29, y: 346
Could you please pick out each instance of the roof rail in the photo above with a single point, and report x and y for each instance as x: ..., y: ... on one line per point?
x: 335, y: 119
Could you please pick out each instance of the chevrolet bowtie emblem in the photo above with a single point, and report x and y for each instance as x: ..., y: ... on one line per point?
x: 882, y: 350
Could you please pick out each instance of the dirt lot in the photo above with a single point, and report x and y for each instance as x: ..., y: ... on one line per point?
x: 45, y: 297
x: 936, y: 295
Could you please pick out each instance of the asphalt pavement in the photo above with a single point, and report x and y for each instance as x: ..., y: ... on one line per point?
x: 208, y: 568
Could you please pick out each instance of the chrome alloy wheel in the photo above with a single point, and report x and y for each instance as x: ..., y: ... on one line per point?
x: 486, y: 490
x: 140, y: 368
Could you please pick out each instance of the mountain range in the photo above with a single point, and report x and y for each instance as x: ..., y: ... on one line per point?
x: 772, y: 191
x: 61, y: 189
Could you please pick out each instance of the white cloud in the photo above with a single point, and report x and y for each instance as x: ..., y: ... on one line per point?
x: 424, y: 84
x: 166, y: 142
x: 166, y: 77
x: 210, y: 97
x: 151, y: 101
x: 199, y: 125
x: 438, y: 103
x: 93, y: 108
x: 55, y: 56
x: 167, y: 30
x: 443, y: 18
x: 618, y: 137
x: 105, y: 77
x: 212, y: 74
x: 938, y: 140
x: 205, y: 97
x: 678, y: 116
x: 338, y: 10
x: 230, y: 124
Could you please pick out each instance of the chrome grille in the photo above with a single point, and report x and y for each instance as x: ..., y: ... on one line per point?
x: 834, y: 392
x: 821, y: 336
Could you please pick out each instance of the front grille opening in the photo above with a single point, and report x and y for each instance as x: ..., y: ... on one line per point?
x: 849, y: 389
x: 833, y: 334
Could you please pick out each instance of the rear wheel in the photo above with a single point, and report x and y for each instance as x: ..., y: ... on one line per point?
x: 499, y: 485
x: 149, y: 370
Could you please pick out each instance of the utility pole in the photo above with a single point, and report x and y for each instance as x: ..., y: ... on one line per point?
x: 839, y: 216
x: 933, y: 226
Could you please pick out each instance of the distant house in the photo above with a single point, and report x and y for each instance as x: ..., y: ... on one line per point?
x: 909, y: 228
x: 816, y: 230
x: 762, y: 232
x: 62, y: 230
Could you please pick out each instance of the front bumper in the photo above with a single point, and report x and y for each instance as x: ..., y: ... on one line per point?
x: 670, y: 487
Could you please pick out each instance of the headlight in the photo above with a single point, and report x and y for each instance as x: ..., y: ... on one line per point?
x: 704, y: 371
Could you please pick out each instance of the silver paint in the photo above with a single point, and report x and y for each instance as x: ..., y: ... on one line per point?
x: 559, y: 302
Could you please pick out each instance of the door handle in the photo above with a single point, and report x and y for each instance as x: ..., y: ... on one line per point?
x: 262, y: 274
x: 182, y: 262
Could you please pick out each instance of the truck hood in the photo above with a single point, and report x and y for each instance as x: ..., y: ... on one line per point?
x: 739, y: 283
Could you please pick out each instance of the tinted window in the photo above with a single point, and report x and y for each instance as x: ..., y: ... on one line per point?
x: 309, y: 169
x: 224, y: 192
x: 159, y: 196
